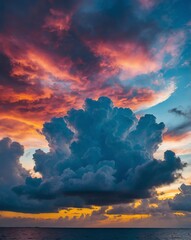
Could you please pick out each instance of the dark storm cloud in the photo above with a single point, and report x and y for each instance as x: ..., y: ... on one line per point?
x: 10, y: 152
x: 182, y: 201
x: 51, y: 53
x: 12, y: 174
x: 100, y: 155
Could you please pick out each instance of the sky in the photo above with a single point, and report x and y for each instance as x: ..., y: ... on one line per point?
x: 95, y: 113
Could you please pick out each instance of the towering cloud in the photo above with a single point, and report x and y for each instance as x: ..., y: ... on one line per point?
x: 11, y: 173
x: 98, y: 155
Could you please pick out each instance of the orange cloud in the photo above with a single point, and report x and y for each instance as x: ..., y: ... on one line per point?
x: 171, y: 137
x: 93, y: 216
x: 33, y: 63
x: 69, y: 213
x: 131, y: 57
x: 44, y: 83
x: 33, y: 110
x: 25, y: 133
x: 113, y: 219
x: 167, y: 193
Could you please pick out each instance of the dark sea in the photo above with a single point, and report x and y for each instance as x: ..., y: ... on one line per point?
x: 93, y: 234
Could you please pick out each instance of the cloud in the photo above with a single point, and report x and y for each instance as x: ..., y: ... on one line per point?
x: 65, y: 52
x: 151, y: 206
x: 183, y: 129
x: 182, y: 201
x: 10, y: 154
x: 100, y: 155
x: 13, y: 174
x: 56, y: 54
x: 178, y: 112
x: 100, y: 15
x: 24, y: 129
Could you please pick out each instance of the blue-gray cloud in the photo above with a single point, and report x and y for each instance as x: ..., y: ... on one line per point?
x: 182, y: 201
x: 13, y: 174
x: 183, y: 127
x: 100, y: 155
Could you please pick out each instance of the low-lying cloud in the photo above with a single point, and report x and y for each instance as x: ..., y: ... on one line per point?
x: 182, y: 201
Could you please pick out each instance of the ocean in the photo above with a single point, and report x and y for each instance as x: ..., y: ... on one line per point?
x: 93, y: 234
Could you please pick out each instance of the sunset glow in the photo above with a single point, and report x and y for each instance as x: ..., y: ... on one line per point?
x: 95, y: 114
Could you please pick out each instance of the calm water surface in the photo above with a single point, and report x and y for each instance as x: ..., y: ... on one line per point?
x: 93, y: 234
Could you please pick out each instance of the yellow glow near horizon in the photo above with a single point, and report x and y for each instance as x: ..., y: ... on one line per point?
x: 168, y: 192
x: 137, y: 203
x: 153, y: 205
x: 65, y: 213
x: 116, y: 218
x: 179, y: 214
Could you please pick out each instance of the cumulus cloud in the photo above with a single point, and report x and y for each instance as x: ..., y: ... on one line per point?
x: 10, y: 152
x: 100, y: 155
x: 13, y: 174
x: 182, y: 201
